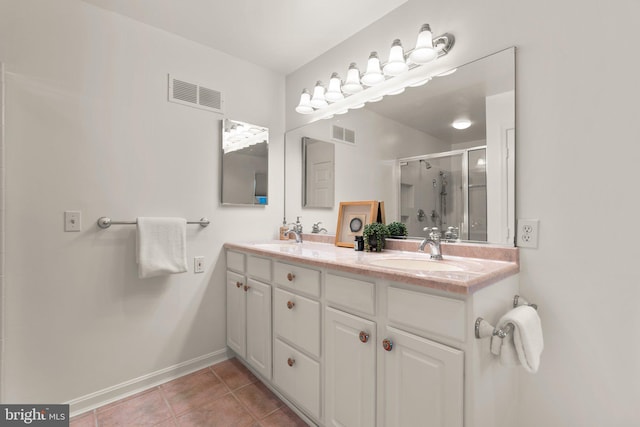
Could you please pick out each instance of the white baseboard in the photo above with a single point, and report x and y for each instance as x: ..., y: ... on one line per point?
x: 119, y: 391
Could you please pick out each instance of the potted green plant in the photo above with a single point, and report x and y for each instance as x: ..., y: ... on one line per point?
x: 374, y: 235
x: 397, y: 230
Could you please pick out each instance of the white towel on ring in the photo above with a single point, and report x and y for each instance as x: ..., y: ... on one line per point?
x: 524, y: 344
x: 161, y: 246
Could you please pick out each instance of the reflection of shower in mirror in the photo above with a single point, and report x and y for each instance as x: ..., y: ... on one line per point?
x: 450, y: 188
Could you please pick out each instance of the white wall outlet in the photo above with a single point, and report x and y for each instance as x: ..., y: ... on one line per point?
x: 528, y: 233
x: 72, y: 221
x: 198, y: 264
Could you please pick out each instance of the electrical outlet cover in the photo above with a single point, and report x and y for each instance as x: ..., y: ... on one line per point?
x: 527, y: 236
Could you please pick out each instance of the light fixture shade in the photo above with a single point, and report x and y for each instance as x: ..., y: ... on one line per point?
x: 334, y: 93
x: 397, y: 91
x: 373, y: 76
x: 396, y: 64
x: 421, y: 82
x: 352, y: 84
x: 424, y: 51
x: 461, y: 124
x: 304, y: 107
x: 318, y: 100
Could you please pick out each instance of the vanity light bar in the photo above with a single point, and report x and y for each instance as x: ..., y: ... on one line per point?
x: 403, y: 69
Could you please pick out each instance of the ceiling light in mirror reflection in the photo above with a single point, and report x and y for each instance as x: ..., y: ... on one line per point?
x: 237, y: 136
x: 461, y: 124
x: 402, y: 69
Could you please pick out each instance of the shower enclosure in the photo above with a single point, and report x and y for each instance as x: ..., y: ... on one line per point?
x: 445, y: 190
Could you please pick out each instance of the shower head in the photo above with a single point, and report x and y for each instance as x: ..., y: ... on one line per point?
x: 427, y: 165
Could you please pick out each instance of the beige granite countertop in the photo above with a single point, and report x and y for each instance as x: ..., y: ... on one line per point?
x: 481, y: 265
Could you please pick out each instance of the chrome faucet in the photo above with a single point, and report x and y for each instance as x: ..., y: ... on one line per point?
x: 315, y: 228
x: 296, y: 229
x: 433, y: 240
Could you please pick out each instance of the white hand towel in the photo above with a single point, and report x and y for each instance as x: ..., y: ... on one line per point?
x: 161, y: 246
x: 525, y: 343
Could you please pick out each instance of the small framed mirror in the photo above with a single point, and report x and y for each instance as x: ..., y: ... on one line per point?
x: 318, y: 173
x: 245, y: 164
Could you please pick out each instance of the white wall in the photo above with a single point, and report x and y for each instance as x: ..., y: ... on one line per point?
x: 88, y: 127
x: 577, y: 153
x: 369, y: 166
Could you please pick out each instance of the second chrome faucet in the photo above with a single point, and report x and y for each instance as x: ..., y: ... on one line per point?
x: 433, y: 240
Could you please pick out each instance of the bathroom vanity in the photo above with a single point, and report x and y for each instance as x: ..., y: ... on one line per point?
x: 374, y: 339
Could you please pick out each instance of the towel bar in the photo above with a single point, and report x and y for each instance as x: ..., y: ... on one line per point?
x: 106, y: 222
x: 485, y: 329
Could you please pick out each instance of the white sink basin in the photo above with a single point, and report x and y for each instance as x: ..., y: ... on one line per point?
x: 414, y: 264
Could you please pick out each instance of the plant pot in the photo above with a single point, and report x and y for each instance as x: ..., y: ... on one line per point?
x: 375, y: 244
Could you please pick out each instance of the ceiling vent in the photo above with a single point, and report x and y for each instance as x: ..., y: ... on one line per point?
x: 194, y: 95
x: 343, y: 134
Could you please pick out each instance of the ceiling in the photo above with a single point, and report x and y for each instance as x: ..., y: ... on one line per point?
x: 281, y: 35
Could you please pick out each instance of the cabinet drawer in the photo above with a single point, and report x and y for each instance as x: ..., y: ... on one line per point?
x: 297, y: 319
x: 299, y: 278
x: 430, y: 313
x: 298, y: 376
x: 259, y: 267
x: 235, y: 261
x: 351, y: 293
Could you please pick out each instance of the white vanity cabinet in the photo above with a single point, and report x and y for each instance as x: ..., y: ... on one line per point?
x: 249, y: 310
x: 352, y: 350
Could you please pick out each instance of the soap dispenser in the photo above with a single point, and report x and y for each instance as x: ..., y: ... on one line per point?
x: 283, y: 229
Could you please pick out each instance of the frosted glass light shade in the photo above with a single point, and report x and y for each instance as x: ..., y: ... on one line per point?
x: 318, y: 100
x: 304, y: 107
x: 421, y: 82
x: 396, y: 92
x: 373, y: 76
x: 424, y: 51
x: 334, y: 93
x: 396, y: 64
x: 352, y: 84
x: 461, y: 124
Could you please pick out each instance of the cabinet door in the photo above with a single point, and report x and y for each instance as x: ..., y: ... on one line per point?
x: 259, y: 326
x: 236, y: 313
x: 423, y: 382
x: 298, y: 376
x: 350, y: 392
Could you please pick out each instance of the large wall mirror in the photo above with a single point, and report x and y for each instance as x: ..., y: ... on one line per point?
x: 405, y: 151
x: 245, y: 164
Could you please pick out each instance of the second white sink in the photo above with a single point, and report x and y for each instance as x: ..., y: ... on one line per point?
x: 414, y: 264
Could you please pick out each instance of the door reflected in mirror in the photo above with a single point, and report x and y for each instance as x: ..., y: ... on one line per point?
x: 318, y: 176
x: 245, y: 164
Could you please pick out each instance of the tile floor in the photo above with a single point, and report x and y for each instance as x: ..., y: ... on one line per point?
x: 225, y: 395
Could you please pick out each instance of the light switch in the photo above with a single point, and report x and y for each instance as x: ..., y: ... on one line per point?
x: 72, y: 221
x: 198, y: 264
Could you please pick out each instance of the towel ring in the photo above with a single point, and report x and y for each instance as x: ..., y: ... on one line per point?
x: 484, y: 329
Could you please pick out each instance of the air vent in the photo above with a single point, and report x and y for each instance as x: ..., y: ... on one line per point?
x: 343, y: 134
x: 194, y: 95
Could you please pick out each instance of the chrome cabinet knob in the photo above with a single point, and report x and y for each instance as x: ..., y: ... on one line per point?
x: 387, y: 344
x: 364, y: 337
x: 290, y: 277
x: 291, y: 361
x: 290, y: 304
